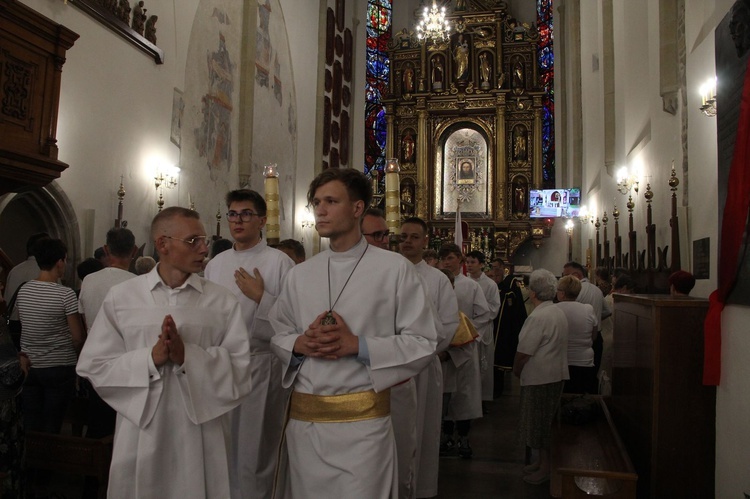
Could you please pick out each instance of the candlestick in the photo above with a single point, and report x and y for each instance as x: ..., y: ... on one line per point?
x: 392, y: 200
x: 271, y: 174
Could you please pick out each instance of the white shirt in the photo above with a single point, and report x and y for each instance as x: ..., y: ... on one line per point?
x: 544, y: 337
x: 95, y: 287
x: 169, y: 439
x: 443, y: 298
x: 592, y: 295
x: 581, y: 324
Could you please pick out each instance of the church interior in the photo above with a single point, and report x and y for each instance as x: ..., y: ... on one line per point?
x: 599, y: 131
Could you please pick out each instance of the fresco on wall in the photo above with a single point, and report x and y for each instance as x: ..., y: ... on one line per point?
x: 274, y: 109
x: 213, y: 136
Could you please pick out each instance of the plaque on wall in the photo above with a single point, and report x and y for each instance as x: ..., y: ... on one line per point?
x: 702, y: 258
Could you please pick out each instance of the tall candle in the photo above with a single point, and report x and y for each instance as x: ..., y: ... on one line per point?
x: 271, y: 174
x: 392, y: 200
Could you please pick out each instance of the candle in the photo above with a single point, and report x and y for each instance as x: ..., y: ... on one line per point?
x: 392, y: 200
x: 271, y: 183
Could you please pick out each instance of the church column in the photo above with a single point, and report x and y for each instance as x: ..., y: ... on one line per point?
x: 501, y: 164
x: 538, y: 177
x: 247, y: 96
x: 422, y: 196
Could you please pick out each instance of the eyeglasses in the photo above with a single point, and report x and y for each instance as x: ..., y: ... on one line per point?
x: 241, y: 216
x: 379, y: 235
x: 193, y: 242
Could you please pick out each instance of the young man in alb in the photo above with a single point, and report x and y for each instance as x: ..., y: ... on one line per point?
x: 253, y: 271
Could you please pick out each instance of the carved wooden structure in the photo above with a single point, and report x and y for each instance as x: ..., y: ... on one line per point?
x: 32, y: 53
x: 464, y: 117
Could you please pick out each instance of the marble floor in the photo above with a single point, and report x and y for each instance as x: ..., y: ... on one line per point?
x: 494, y: 471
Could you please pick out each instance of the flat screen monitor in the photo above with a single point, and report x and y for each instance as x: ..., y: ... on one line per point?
x: 550, y: 203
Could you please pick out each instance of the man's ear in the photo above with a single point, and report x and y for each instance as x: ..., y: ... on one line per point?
x: 359, y: 209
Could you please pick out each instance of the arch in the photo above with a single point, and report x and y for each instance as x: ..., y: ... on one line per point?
x: 44, y: 209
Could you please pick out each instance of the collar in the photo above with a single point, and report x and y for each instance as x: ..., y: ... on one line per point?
x: 353, y: 252
x: 257, y: 248
x: 153, y: 279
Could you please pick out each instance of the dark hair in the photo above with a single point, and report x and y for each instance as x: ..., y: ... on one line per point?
x: 682, y: 281
x: 416, y: 221
x: 168, y: 213
x: 247, y: 195
x: 374, y: 212
x: 429, y: 253
x: 220, y: 245
x: 88, y: 266
x: 294, y: 245
x: 448, y: 248
x: 32, y: 240
x: 476, y: 254
x: 120, y: 242
x: 602, y: 273
x: 624, y: 281
x: 48, y: 252
x: 577, y: 266
x: 99, y: 253
x: 618, y: 271
x: 499, y: 260
x: 357, y: 185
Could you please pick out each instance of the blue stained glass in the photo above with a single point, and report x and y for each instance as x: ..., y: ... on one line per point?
x: 378, y: 32
x: 546, y: 62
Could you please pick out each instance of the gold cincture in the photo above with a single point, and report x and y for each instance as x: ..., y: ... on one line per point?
x: 344, y: 408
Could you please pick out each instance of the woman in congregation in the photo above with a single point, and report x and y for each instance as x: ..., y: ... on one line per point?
x: 542, y: 366
x: 51, y: 335
x: 582, y: 331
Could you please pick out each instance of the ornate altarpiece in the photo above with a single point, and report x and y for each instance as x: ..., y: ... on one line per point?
x: 465, y: 121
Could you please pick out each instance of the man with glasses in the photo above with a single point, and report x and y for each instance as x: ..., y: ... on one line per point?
x: 413, y: 240
x: 169, y: 352
x: 375, y: 229
x: 253, y: 271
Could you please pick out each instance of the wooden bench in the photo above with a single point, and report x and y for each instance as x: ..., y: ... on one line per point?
x: 69, y: 454
x: 590, y: 459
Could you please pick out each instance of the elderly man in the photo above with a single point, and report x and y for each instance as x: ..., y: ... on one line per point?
x: 169, y: 351
x: 351, y: 322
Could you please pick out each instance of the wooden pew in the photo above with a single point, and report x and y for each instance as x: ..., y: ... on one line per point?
x: 78, y: 455
x: 590, y: 460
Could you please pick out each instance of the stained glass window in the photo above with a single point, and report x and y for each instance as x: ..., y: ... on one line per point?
x: 546, y: 61
x: 378, y: 73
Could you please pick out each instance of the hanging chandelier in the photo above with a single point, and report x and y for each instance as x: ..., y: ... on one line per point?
x: 433, y: 24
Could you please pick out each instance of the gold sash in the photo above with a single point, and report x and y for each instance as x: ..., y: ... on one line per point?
x: 465, y: 333
x: 344, y: 408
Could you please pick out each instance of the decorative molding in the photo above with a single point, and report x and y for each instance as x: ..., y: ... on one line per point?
x: 107, y: 18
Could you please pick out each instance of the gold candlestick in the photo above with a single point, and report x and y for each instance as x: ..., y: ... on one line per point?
x: 392, y: 201
x: 271, y: 183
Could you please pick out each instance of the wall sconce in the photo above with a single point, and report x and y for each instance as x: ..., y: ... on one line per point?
x: 708, y: 98
x: 584, y: 216
x: 166, y: 176
x: 626, y: 181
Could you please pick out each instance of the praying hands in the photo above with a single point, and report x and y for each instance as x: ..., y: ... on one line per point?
x: 169, y: 346
x: 327, y: 341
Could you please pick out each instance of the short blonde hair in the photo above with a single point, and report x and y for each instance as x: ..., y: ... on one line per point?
x: 570, y: 286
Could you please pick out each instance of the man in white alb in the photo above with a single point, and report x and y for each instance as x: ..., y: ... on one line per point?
x: 169, y: 351
x: 253, y: 272
x: 350, y: 323
x: 462, y: 379
x: 474, y: 266
x: 414, y: 236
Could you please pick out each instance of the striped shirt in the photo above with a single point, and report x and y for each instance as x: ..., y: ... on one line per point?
x: 45, y: 336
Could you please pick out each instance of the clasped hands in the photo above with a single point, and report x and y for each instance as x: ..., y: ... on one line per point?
x: 169, y: 346
x: 327, y: 342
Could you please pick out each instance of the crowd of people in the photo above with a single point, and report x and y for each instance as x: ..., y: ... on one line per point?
x: 237, y: 369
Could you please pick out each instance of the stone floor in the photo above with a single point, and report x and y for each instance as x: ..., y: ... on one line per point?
x: 493, y: 472
x: 495, y: 469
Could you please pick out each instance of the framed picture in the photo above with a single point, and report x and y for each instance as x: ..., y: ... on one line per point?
x: 178, y: 105
x: 465, y: 171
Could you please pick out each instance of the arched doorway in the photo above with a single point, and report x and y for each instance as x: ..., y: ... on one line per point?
x: 45, y: 209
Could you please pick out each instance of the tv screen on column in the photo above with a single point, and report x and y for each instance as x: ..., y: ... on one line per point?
x: 550, y: 203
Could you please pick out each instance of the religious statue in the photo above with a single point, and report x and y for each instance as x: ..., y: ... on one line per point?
x: 519, y: 144
x: 407, y: 147
x: 461, y: 58
x: 139, y: 18
x: 519, y: 199
x: 150, y: 33
x: 484, y: 67
x: 407, y: 200
x: 408, y: 80
x: 437, y: 74
x: 123, y: 11
x: 518, y: 80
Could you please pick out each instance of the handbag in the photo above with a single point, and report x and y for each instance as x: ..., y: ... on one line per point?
x: 13, y: 326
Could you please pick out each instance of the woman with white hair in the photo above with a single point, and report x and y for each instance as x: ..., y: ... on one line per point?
x: 541, y: 363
